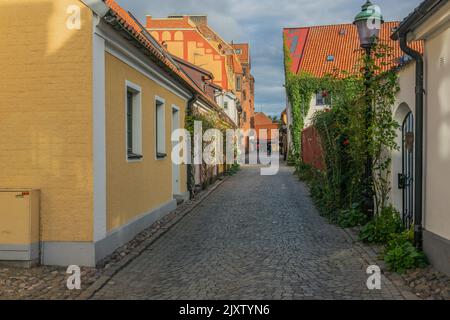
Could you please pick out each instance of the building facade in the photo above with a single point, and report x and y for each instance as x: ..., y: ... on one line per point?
x: 189, y: 37
x: 430, y: 23
x: 88, y: 108
x: 246, y: 85
x: 322, y: 50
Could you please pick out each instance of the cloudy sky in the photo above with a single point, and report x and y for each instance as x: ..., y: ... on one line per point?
x: 260, y: 23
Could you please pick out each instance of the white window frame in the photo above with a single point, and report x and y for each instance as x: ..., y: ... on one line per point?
x: 162, y: 133
x: 137, y: 120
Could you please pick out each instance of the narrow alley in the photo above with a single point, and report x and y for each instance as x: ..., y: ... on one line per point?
x: 255, y: 237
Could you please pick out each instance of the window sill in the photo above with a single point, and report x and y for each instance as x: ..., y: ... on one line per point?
x: 160, y: 156
x: 134, y: 157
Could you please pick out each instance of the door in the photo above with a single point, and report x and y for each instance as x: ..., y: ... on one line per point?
x: 406, y: 178
x: 175, y: 167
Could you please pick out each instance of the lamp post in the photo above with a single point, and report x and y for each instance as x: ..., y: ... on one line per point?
x: 368, y: 22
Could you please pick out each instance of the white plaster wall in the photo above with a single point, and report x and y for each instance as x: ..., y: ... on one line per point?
x: 437, y: 171
x: 313, y: 108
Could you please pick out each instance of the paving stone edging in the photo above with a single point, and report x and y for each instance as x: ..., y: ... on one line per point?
x: 370, y: 255
x: 117, y: 266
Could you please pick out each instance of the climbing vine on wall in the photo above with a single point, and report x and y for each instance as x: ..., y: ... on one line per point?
x: 346, y: 138
x: 209, y: 120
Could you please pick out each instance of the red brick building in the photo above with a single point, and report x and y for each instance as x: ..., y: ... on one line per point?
x: 264, y: 123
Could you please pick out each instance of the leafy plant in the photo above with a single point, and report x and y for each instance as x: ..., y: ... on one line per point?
x: 400, y: 238
x: 400, y: 254
x: 383, y: 227
x: 233, y: 170
x: 352, y: 217
x: 358, y: 127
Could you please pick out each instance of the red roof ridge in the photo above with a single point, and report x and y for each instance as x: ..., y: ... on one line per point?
x: 332, y: 25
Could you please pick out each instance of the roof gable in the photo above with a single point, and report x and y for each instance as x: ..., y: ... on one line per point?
x: 321, y: 50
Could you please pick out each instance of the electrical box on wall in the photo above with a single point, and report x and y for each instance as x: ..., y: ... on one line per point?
x: 19, y: 226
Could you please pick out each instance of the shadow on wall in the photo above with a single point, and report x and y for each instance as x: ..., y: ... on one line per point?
x: 444, y: 102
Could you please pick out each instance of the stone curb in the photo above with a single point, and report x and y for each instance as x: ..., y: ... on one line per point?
x: 372, y: 253
x: 114, y: 269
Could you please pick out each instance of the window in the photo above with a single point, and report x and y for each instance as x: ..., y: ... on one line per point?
x: 323, y: 99
x: 244, y: 95
x: 238, y: 83
x: 160, y: 132
x: 225, y: 105
x: 238, y: 51
x: 133, y: 122
x: 244, y: 70
x: 330, y: 58
x: 245, y: 116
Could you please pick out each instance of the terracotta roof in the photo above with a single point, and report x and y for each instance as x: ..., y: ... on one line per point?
x: 262, y: 119
x: 320, y: 50
x: 161, y: 54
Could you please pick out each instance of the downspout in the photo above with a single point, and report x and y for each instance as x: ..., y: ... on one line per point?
x: 418, y: 167
x: 190, y: 165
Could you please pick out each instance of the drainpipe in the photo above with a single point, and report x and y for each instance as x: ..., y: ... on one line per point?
x: 418, y: 167
x: 190, y: 166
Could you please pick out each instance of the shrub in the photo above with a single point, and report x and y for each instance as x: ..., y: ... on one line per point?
x: 305, y: 172
x: 400, y: 254
x: 233, y: 170
x: 352, y: 217
x: 383, y: 227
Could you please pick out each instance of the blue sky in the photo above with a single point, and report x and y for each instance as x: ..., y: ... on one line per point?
x: 260, y: 22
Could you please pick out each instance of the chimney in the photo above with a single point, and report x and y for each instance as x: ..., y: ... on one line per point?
x: 148, y: 22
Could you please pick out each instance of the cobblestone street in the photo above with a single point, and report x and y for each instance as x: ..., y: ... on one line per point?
x: 255, y: 237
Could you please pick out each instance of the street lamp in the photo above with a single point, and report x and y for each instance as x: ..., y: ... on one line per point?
x: 368, y: 22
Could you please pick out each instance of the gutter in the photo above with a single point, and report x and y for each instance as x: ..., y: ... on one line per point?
x: 418, y: 166
x: 97, y: 6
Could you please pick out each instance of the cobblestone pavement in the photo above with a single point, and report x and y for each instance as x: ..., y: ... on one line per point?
x: 256, y: 237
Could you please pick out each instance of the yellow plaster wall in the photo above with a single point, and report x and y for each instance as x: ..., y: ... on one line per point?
x: 176, y: 48
x: 206, y: 61
x: 46, y: 112
x: 136, y: 188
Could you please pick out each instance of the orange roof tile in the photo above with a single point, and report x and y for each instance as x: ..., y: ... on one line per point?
x: 336, y: 47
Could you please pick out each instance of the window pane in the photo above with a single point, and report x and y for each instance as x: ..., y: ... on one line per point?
x: 319, y: 99
x: 130, y: 121
x: 160, y: 127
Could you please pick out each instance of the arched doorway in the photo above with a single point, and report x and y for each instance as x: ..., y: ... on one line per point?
x: 406, y: 177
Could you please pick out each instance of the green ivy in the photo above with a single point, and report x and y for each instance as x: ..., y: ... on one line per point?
x: 346, y: 138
